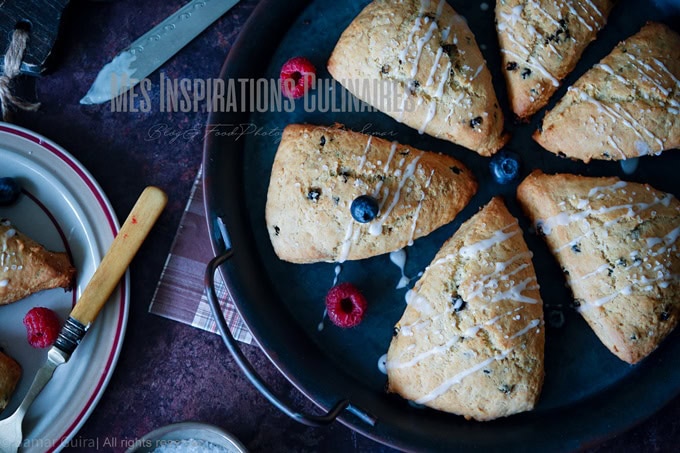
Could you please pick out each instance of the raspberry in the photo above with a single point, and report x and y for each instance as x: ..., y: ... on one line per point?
x: 297, y: 75
x: 345, y: 305
x: 42, y: 327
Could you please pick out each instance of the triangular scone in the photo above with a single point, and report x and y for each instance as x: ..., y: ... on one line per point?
x: 319, y: 171
x: 26, y: 267
x: 618, y: 244
x: 627, y: 105
x: 541, y: 42
x: 418, y: 62
x: 471, y: 340
x: 10, y: 372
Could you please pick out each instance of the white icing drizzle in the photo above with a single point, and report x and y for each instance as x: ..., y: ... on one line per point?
x: 515, y: 292
x: 532, y: 63
x: 398, y: 257
x: 509, y: 21
x: 382, y: 364
x: 609, y: 70
x: 613, y: 187
x: 419, y: 47
x: 430, y: 79
x: 614, y: 114
x: 456, y: 379
x: 393, y: 150
x: 651, y: 76
x: 431, y: 110
x: 375, y: 228
x: 497, y: 237
x: 440, y: 349
x: 346, y: 242
x: 362, y: 160
x: 491, y: 281
x: 419, y: 207
x: 4, y: 282
x: 564, y: 218
x: 597, y: 271
x: 532, y: 324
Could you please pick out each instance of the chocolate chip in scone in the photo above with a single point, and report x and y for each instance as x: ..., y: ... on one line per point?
x: 336, y: 201
x: 449, y: 49
x: 456, y: 170
x: 313, y: 194
x: 385, y: 69
x: 277, y: 230
x: 487, y: 371
x: 345, y: 174
x: 511, y: 66
x: 474, y: 122
x: 622, y: 262
x: 665, y: 314
x: 395, y: 331
x: 506, y: 388
x: 322, y: 142
x: 526, y: 72
x: 576, y: 248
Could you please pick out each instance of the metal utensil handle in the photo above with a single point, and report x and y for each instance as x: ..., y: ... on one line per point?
x: 249, y: 371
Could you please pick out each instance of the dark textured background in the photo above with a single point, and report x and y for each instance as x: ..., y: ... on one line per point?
x: 169, y: 372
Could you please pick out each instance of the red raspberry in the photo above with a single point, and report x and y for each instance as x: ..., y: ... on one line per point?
x: 297, y: 76
x: 42, y: 327
x: 345, y: 305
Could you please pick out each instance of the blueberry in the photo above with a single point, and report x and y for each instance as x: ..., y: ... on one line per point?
x: 364, y: 208
x: 9, y: 191
x: 504, y: 166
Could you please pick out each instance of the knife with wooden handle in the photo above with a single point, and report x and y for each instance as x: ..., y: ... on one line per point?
x: 114, y: 264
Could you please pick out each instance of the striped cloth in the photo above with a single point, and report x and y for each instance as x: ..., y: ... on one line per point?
x: 180, y: 295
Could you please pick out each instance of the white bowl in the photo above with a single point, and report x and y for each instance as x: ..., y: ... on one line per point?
x: 188, y: 437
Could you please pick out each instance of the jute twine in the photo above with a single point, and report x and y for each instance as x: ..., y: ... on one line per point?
x: 13, y: 57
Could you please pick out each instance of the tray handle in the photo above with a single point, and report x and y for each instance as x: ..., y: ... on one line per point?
x: 251, y: 373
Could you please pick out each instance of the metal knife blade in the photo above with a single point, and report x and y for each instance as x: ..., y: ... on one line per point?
x: 154, y: 48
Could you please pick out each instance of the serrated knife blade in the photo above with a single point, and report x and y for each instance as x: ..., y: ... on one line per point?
x: 154, y: 48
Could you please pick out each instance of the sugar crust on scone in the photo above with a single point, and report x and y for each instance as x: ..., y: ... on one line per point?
x: 627, y: 105
x: 440, y: 84
x: 318, y: 171
x: 618, y: 243
x: 471, y: 340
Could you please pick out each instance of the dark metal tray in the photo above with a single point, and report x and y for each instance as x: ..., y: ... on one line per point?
x: 589, y: 394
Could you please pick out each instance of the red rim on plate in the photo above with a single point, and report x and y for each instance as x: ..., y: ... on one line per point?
x: 112, y: 225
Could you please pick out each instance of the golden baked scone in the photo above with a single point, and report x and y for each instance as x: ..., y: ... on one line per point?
x: 418, y: 62
x: 26, y: 267
x: 10, y: 372
x: 618, y: 244
x: 319, y: 171
x: 626, y: 106
x: 541, y: 41
x: 471, y: 340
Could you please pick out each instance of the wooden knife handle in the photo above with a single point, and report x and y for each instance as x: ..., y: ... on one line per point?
x: 116, y: 261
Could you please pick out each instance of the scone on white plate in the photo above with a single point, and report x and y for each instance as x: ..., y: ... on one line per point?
x: 26, y: 267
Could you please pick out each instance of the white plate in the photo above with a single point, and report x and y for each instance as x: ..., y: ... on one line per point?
x: 63, y: 208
